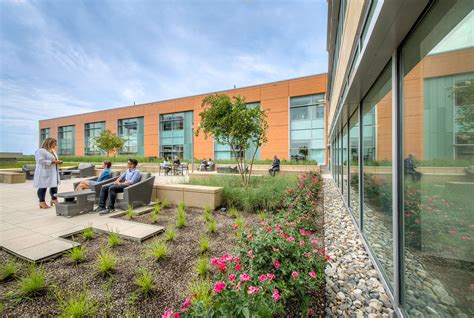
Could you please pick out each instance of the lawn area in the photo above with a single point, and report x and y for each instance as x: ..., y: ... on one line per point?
x: 264, y: 192
x: 20, y: 164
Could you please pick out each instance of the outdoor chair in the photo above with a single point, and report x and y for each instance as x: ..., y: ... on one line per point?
x: 138, y: 194
x: 98, y: 186
x: 84, y: 170
x: 29, y: 171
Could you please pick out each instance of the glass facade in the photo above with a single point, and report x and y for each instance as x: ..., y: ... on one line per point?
x: 438, y: 161
x: 91, y: 132
x: 131, y: 130
x: 176, y: 135
x: 422, y: 242
x: 224, y: 152
x: 66, y: 140
x: 44, y: 133
x: 307, y: 128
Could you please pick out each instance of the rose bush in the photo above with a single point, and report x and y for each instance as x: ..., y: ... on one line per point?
x: 277, y: 266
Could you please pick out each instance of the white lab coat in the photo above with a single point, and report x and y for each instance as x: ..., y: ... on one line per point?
x: 46, y: 172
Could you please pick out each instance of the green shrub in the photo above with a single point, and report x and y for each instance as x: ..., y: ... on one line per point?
x: 130, y: 213
x: 106, y: 262
x: 182, y: 205
x: 262, y: 215
x: 165, y: 203
x: 263, y: 192
x: 157, y: 250
x: 77, y: 254
x: 144, y: 281
x: 77, y: 304
x: 154, y: 217
x: 207, y: 215
x: 170, y: 234
x: 240, y: 222
x: 32, y: 284
x: 202, y: 289
x: 204, y: 244
x: 181, y: 219
x: 233, y: 212
x: 88, y: 233
x: 8, y: 270
x: 114, y: 239
x: 202, y: 266
x: 212, y: 226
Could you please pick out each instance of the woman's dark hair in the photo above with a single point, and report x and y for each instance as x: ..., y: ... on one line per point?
x: 108, y: 164
x: 133, y: 161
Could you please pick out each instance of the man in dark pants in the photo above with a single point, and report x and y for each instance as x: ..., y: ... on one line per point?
x: 275, y: 166
x: 131, y: 176
x: 410, y: 168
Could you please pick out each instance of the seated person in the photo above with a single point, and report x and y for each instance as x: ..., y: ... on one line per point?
x: 106, y: 174
x: 210, y: 165
x: 131, y: 176
x: 166, y: 165
x: 176, y: 163
x: 409, y: 166
x: 275, y: 166
x: 203, y: 165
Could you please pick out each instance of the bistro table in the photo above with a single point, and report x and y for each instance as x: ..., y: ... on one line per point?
x: 75, y: 203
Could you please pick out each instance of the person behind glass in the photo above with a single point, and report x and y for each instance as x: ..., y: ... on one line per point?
x: 275, y: 166
x: 131, y: 176
x: 106, y: 174
x: 47, y: 172
x: 410, y: 168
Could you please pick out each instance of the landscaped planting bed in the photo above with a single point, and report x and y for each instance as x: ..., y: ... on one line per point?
x: 208, y: 263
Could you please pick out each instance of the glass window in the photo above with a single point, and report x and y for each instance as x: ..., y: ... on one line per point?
x: 44, y: 133
x: 377, y: 137
x: 354, y: 165
x: 438, y: 162
x: 66, y: 141
x: 91, y: 132
x: 307, y: 128
x: 344, y: 162
x: 131, y: 130
x: 176, y: 135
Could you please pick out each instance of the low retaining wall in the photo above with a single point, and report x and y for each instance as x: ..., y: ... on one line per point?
x: 12, y: 177
x: 192, y: 195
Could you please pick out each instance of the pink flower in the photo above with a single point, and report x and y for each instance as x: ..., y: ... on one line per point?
x: 276, y: 264
x: 167, y: 314
x: 263, y: 278
x: 291, y: 239
x: 235, y: 227
x: 232, y: 277
x: 186, y: 303
x: 218, y: 287
x: 276, y: 295
x: 315, y: 251
x: 214, y: 261
x: 250, y: 253
x: 253, y: 290
x: 310, y: 312
x: 244, y: 277
x: 312, y: 274
x: 295, y: 275
x: 307, y: 254
x: 301, y: 243
x: 327, y: 258
x: 269, y: 229
x: 270, y: 276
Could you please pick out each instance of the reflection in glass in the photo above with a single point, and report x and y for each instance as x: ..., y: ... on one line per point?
x: 354, y: 165
x: 176, y: 135
x: 44, y: 133
x: 438, y: 162
x: 91, y: 132
x: 307, y: 126
x: 66, y: 140
x: 377, y: 159
x: 131, y: 130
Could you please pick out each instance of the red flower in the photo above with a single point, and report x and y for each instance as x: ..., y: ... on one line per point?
x: 276, y: 263
x: 253, y: 290
x: 244, y: 277
x: 222, y: 267
x: 218, y: 287
x: 263, y: 278
x: 310, y: 312
x: 238, y: 267
x: 295, y: 275
x: 232, y: 277
x: 269, y: 229
x: 270, y: 276
x: 327, y: 258
x: 276, y: 295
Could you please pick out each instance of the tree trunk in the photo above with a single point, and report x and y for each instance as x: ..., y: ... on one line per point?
x: 251, y: 165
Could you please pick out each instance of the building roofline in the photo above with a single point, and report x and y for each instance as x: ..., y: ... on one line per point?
x: 189, y: 96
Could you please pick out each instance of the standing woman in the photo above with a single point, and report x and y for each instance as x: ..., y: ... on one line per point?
x: 47, y: 172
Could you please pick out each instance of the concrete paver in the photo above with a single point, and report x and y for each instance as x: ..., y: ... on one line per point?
x: 36, y: 234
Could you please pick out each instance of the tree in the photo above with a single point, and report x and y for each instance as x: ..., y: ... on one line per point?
x: 231, y: 122
x: 109, y: 142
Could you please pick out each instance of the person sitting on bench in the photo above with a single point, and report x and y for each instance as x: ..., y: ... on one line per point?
x: 203, y: 165
x: 106, y: 174
x: 275, y: 166
x: 131, y: 176
x: 410, y: 168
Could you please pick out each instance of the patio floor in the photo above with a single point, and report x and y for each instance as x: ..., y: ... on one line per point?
x: 37, y: 234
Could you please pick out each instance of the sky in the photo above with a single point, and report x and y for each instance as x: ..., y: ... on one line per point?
x: 64, y: 57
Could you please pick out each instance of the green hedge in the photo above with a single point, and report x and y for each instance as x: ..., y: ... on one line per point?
x: 264, y: 192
